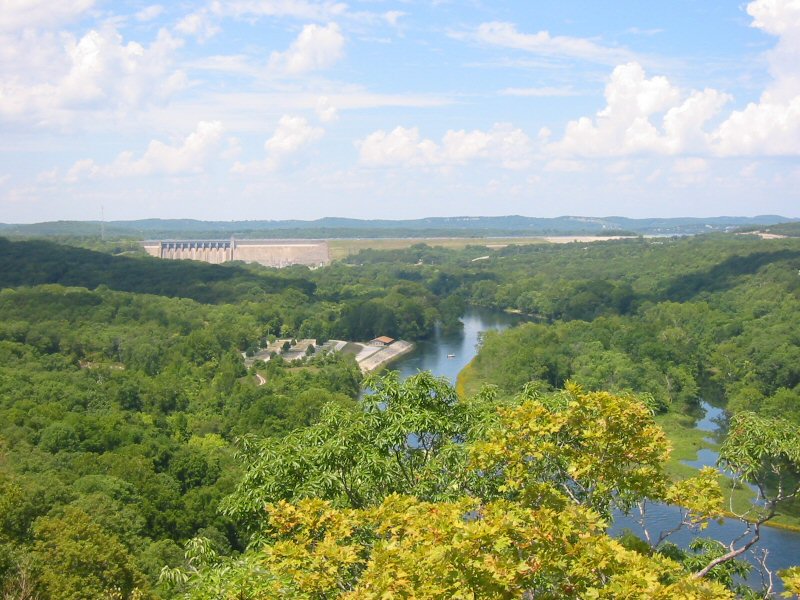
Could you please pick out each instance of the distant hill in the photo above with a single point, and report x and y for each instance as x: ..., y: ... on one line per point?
x: 337, y: 227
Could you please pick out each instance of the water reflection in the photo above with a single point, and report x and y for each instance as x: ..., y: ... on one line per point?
x: 448, y: 353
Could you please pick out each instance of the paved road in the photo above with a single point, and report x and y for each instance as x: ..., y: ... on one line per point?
x: 260, y: 378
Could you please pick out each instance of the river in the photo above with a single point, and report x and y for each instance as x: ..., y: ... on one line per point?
x: 782, y: 546
x: 447, y: 354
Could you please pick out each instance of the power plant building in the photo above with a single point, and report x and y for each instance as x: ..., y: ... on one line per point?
x: 270, y: 253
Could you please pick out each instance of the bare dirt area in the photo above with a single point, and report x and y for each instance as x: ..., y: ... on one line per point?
x: 343, y: 248
x: 566, y: 239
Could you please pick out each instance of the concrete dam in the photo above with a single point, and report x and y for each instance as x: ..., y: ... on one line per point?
x: 270, y: 253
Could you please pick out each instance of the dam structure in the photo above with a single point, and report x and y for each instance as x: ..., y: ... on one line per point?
x: 270, y: 253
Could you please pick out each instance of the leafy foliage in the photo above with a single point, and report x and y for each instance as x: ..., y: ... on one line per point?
x: 522, y: 521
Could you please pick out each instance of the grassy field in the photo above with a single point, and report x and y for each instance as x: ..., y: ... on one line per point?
x: 342, y: 248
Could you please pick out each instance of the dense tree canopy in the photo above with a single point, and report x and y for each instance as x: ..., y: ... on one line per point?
x: 132, y: 436
x: 415, y: 499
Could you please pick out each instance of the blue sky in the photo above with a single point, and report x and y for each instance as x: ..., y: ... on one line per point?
x: 275, y: 109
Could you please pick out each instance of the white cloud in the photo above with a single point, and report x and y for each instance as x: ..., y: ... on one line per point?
x: 16, y: 15
x: 315, y: 48
x: 62, y: 76
x: 770, y: 126
x: 188, y: 156
x: 292, y: 135
x: 149, y: 12
x: 198, y: 24
x: 625, y: 126
x: 326, y: 112
x: 393, y: 16
x: 298, y: 9
x: 542, y: 43
x: 650, y: 115
x: 504, y: 144
x: 401, y: 146
x: 103, y: 69
x: 777, y: 17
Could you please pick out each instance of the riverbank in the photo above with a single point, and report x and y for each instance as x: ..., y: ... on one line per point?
x: 465, y: 381
x: 372, y: 358
x: 693, y: 446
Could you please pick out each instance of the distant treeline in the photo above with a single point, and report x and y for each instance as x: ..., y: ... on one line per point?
x: 332, y: 227
x: 36, y: 262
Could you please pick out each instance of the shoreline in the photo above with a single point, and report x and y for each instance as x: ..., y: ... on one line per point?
x: 386, y: 355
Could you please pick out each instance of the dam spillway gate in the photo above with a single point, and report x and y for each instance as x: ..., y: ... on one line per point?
x: 272, y: 253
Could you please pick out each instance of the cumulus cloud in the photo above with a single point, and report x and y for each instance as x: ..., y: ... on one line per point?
x: 643, y: 115
x: 399, y: 147
x: 504, y: 144
x: 292, y: 135
x: 17, y: 15
x: 392, y: 17
x: 770, y: 126
x: 97, y: 71
x: 650, y: 115
x: 506, y: 35
x: 315, y: 48
x: 198, y: 24
x: 188, y: 156
x: 326, y: 112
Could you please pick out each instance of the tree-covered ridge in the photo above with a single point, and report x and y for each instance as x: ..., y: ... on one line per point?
x: 728, y: 328
x: 39, y: 262
x: 349, y: 305
x: 118, y: 416
x: 337, y: 227
x: 670, y: 317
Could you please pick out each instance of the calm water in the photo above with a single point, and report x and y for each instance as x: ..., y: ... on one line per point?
x: 448, y: 354
x: 783, y: 546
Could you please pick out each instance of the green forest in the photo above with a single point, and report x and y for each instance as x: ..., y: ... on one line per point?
x: 141, y: 458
